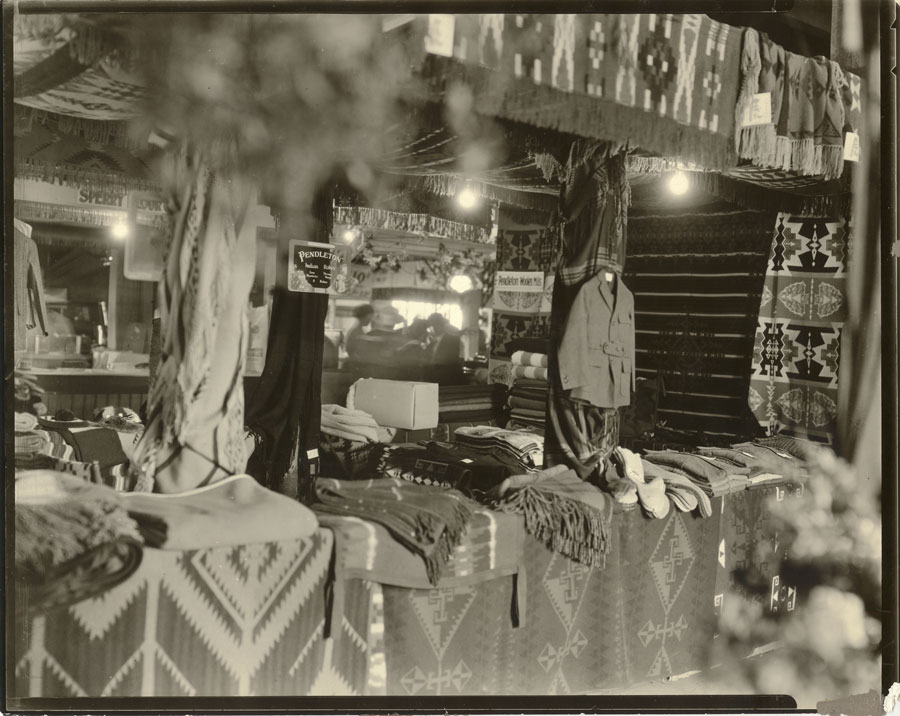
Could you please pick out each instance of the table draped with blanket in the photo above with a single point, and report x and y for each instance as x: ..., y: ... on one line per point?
x: 508, y: 616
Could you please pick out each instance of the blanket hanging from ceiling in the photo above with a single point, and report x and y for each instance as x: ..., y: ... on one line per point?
x: 794, y: 376
x: 669, y: 83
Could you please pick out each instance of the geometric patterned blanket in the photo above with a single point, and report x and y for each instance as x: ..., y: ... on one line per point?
x: 651, y: 613
x: 252, y: 620
x: 697, y: 280
x: 794, y: 380
x: 231, y: 621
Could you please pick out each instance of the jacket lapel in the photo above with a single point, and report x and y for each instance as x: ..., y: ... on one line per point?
x: 606, y: 291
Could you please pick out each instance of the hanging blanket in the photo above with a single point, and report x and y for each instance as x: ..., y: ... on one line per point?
x: 565, y: 514
x: 757, y: 143
x: 809, y: 138
x: 74, y: 540
x: 427, y: 521
x: 796, y: 355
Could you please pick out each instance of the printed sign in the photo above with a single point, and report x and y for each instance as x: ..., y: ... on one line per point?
x: 319, y: 268
x: 439, y: 40
x: 519, y: 291
x: 851, y: 147
x: 759, y: 111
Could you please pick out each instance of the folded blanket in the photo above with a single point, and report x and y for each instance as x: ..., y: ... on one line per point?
x: 804, y: 450
x: 91, y: 443
x: 33, y: 441
x: 567, y: 515
x: 773, y: 460
x: 25, y: 422
x: 682, y: 486
x: 539, y: 360
x: 350, y: 424
x: 539, y: 405
x: 237, y: 510
x: 714, y: 475
x: 468, y: 406
x: 428, y: 522
x: 529, y: 371
x: 651, y: 493
x: 74, y: 539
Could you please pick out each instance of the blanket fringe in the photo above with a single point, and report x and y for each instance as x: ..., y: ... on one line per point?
x: 576, y: 531
x: 758, y: 144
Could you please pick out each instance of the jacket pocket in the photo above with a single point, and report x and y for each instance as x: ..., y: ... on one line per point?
x: 625, y: 379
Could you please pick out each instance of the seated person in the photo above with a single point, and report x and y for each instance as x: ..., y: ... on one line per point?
x: 353, y: 342
x: 444, y: 360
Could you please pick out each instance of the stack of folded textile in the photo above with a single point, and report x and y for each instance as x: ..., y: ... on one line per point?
x: 528, y: 395
x: 447, y: 465
x: 41, y: 442
x: 714, y: 475
x: 767, y: 465
x: 353, y: 425
x: 470, y: 403
x: 630, y: 485
x: 74, y: 540
x: 524, y: 447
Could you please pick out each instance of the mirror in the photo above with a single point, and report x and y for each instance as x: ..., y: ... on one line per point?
x: 417, y: 303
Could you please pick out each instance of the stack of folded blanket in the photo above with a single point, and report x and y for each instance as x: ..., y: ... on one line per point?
x: 528, y: 395
x: 767, y: 465
x: 447, y: 465
x: 42, y: 442
x: 714, y: 475
x: 630, y: 485
x: 427, y: 522
x: 563, y: 512
x: 470, y: 403
x: 525, y: 447
x: 353, y: 425
x: 74, y: 540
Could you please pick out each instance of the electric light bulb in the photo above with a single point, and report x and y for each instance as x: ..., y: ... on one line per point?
x: 678, y: 183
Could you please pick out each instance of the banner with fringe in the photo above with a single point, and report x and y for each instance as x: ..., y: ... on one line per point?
x: 667, y: 83
x: 90, y: 215
x: 417, y: 223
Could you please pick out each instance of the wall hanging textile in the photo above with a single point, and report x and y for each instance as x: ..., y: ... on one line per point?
x: 195, y: 409
x: 285, y: 407
x: 428, y: 522
x: 668, y: 83
x: 696, y: 281
x: 520, y: 247
x: 764, y: 73
x: 28, y: 298
x: 369, y: 218
x: 796, y: 354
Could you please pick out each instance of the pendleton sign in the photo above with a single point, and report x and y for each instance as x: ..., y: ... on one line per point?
x: 319, y: 268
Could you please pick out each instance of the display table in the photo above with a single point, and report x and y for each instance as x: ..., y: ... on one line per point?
x: 259, y: 619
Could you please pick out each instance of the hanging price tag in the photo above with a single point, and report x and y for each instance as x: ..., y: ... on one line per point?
x: 759, y: 111
x: 851, y: 147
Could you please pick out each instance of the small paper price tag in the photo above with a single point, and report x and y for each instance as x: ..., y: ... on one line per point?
x: 539, y: 459
x: 439, y: 40
x: 851, y: 147
x: 312, y: 454
x: 759, y: 111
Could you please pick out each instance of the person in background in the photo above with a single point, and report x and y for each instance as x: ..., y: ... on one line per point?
x: 412, y: 355
x: 445, y: 350
x: 363, y: 315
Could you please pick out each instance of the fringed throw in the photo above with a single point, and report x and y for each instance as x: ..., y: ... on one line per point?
x: 809, y: 139
x: 567, y: 515
x: 757, y: 143
x: 427, y: 521
x: 73, y: 539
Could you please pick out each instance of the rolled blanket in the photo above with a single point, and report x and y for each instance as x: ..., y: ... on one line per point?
x: 526, y: 358
x: 74, y: 539
x: 236, y: 510
x: 567, y: 515
x: 25, y: 422
x: 428, y: 522
x: 529, y: 371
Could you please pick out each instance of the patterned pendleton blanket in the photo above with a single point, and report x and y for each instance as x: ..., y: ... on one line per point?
x: 796, y: 355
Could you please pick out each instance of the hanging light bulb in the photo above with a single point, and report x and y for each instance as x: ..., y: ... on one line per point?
x: 461, y: 283
x: 678, y: 183
x: 349, y: 235
x: 120, y: 231
x: 467, y: 199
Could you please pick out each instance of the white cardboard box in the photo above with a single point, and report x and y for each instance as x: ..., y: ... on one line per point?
x: 398, y: 403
